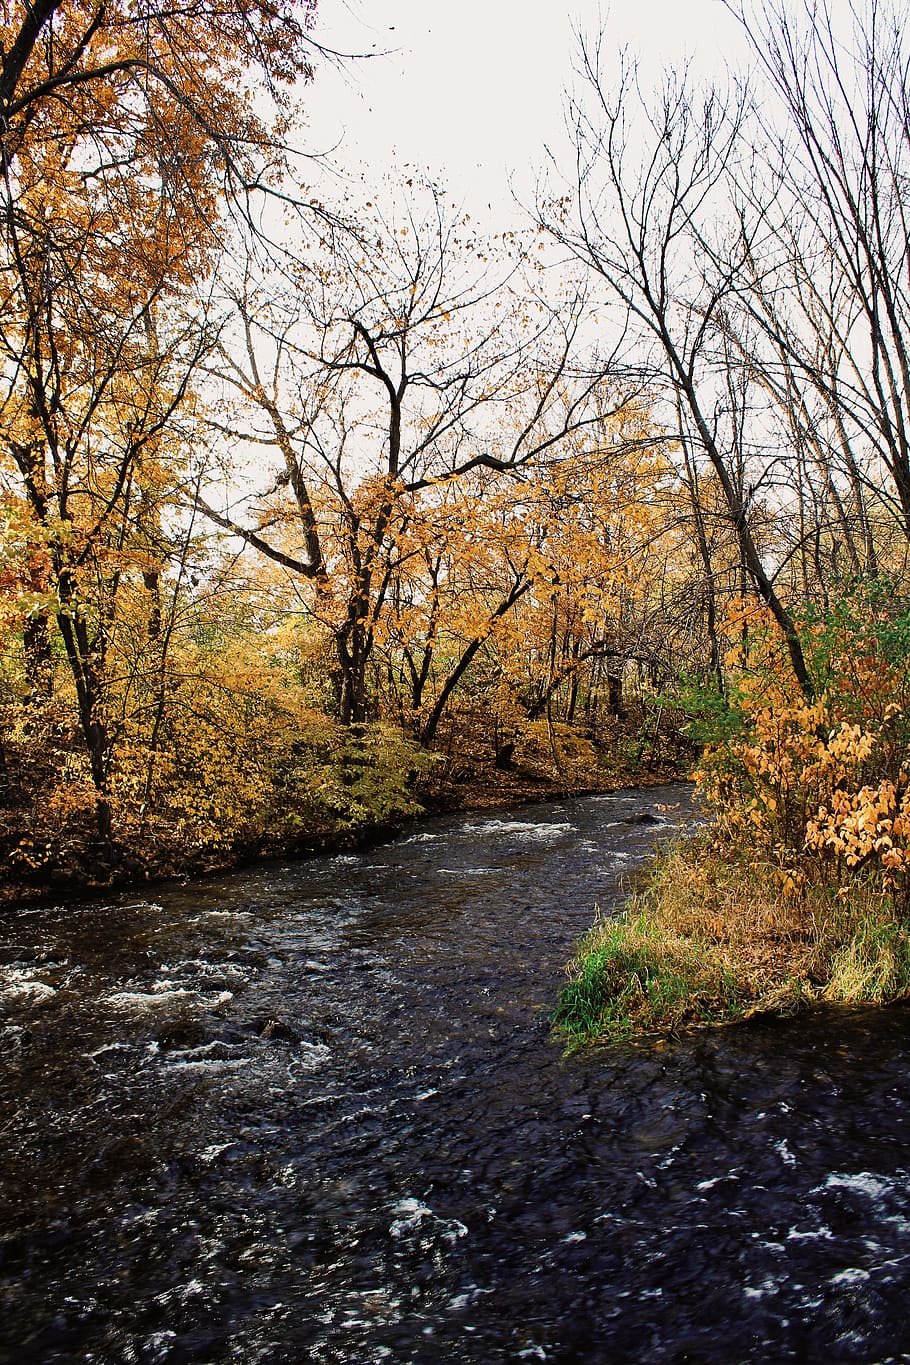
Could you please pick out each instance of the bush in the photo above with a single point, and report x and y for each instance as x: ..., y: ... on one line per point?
x: 822, y: 786
x: 348, y: 777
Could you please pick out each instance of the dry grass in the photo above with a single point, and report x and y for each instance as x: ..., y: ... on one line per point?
x: 711, y: 938
x: 741, y: 910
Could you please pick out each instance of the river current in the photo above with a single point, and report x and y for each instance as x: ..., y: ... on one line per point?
x: 313, y: 1112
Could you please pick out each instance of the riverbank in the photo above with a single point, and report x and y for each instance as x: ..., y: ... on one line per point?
x: 712, y: 939
x: 470, y: 782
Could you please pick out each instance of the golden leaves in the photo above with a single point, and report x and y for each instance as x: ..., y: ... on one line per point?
x: 827, y: 779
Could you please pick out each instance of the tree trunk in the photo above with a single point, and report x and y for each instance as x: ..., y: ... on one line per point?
x: 81, y: 656
x: 614, y: 694
x: 36, y: 645
x: 352, y: 646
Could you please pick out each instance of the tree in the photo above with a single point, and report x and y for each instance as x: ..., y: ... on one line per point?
x: 123, y: 137
x: 828, y: 254
x: 652, y: 225
x: 399, y: 367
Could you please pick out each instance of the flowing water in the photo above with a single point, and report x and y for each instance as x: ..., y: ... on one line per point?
x: 313, y: 1112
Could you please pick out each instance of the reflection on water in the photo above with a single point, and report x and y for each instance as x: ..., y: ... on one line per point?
x: 313, y: 1112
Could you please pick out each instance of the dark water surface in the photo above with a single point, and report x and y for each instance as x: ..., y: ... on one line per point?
x: 312, y: 1112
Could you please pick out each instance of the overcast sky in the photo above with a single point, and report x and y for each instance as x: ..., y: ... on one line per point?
x: 472, y: 90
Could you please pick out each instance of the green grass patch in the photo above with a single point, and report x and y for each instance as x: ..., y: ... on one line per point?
x: 871, y: 966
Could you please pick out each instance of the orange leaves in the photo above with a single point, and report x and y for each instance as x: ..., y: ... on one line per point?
x: 122, y: 130
x: 822, y: 783
x: 860, y: 826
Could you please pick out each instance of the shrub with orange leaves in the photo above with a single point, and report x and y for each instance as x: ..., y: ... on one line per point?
x: 821, y: 785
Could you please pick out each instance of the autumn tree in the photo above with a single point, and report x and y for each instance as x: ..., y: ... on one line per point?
x: 541, y: 577
x: 124, y: 137
x: 409, y: 358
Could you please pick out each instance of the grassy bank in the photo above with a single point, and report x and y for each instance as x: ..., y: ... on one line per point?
x: 709, y: 939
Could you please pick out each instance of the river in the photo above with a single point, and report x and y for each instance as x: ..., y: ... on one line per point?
x: 313, y: 1112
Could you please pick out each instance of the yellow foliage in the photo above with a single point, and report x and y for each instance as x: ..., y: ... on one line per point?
x: 827, y: 779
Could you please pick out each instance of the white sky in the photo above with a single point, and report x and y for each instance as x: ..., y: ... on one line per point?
x: 471, y: 91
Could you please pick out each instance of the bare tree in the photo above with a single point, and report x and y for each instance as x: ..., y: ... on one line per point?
x: 637, y: 216
x: 830, y: 286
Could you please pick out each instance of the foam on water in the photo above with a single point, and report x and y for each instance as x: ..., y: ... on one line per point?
x: 861, y: 1182
x: 314, y: 1055
x: 544, y: 830
x: 412, y: 1216
x: 853, y: 1275
x: 162, y: 999
x: 20, y: 988
x: 208, y: 1065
